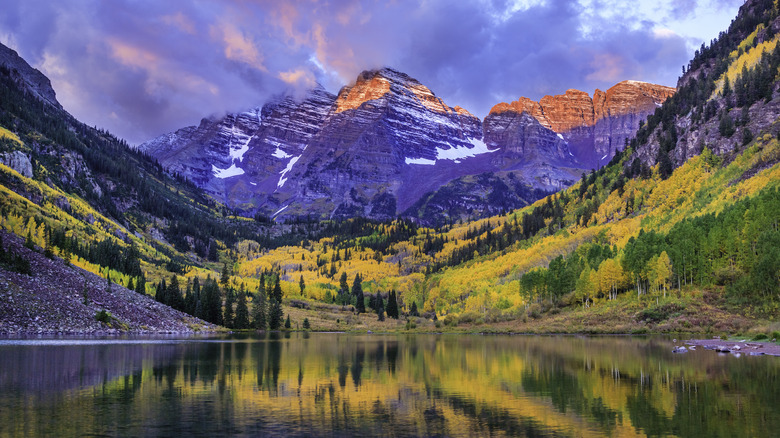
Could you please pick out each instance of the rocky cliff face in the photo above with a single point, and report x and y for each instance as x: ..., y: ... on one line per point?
x: 594, y: 127
x: 386, y: 142
x: 30, y: 79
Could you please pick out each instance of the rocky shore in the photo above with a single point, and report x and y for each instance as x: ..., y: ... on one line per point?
x: 51, y: 301
x: 749, y: 348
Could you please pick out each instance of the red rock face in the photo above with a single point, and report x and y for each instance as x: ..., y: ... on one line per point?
x: 594, y: 127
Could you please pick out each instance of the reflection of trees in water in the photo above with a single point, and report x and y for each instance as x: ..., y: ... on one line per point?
x: 421, y: 385
x: 357, y: 364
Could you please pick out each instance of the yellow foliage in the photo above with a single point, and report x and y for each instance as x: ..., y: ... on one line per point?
x: 748, y: 59
x: 4, y: 133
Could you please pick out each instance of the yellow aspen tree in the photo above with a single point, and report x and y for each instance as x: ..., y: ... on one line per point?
x: 664, y: 271
x: 652, y: 274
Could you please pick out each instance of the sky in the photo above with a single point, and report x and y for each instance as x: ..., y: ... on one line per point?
x: 142, y: 68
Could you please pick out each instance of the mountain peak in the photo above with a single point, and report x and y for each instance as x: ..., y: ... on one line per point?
x: 375, y: 84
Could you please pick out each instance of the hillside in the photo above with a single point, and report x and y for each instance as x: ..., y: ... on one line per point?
x: 678, y: 232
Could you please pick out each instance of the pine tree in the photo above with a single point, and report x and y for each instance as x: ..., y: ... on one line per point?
x: 84, y: 293
x: 260, y: 309
x: 230, y: 299
x: 287, y: 323
x: 306, y: 325
x: 212, y: 302
x: 242, y: 313
x: 413, y: 311
x: 392, y: 305
x: 357, y: 292
x: 302, y: 285
x: 189, y: 299
x: 343, y: 288
x: 225, y: 277
x: 277, y: 292
x: 160, y: 291
x: 28, y: 241
x: 275, y: 314
x: 173, y: 294
x: 140, y: 285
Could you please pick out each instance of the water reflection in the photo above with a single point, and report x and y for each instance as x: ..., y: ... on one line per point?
x: 341, y: 385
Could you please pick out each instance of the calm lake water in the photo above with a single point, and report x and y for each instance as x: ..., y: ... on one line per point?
x: 383, y: 385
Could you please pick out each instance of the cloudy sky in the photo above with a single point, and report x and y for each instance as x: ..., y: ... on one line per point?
x: 141, y: 68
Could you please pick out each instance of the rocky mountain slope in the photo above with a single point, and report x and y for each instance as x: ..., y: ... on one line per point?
x: 594, y: 127
x: 51, y: 300
x: 30, y: 79
x: 386, y: 144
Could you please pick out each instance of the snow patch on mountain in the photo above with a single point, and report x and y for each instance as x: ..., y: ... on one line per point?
x: 457, y: 153
x: 423, y: 161
x: 286, y: 170
x: 278, y: 153
x: 233, y: 170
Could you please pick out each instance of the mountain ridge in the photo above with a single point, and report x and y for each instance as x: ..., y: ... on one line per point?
x: 401, y: 141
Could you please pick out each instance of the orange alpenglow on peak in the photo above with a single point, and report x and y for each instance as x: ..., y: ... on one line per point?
x: 375, y: 84
x: 575, y: 108
x: 366, y: 88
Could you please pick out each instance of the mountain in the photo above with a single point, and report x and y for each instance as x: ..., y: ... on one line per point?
x: 386, y: 145
x: 678, y: 232
x: 595, y: 128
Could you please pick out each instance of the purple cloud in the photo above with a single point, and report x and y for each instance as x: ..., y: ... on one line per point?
x: 143, y: 68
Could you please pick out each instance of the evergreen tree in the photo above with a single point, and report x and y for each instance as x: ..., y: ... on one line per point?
x: 212, y: 302
x: 84, y: 293
x: 287, y: 323
x: 343, y: 288
x: 747, y: 136
x: 230, y: 299
x: 302, y: 285
x: 275, y: 314
x: 260, y: 308
x: 306, y: 325
x: 160, y: 291
x: 140, y: 284
x: 196, y: 298
x: 392, y: 305
x: 28, y: 241
x: 225, y: 277
x: 189, y: 299
x: 665, y: 167
x: 242, y: 313
x: 173, y: 295
x: 413, y: 311
x: 357, y: 293
x: 726, y: 126
x: 277, y: 292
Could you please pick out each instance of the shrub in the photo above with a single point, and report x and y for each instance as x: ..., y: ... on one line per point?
x: 103, y: 316
x: 760, y: 337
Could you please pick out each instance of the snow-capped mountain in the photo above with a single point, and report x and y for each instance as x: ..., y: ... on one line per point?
x: 381, y: 147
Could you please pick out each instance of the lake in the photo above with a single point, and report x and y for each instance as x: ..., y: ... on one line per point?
x: 327, y: 384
